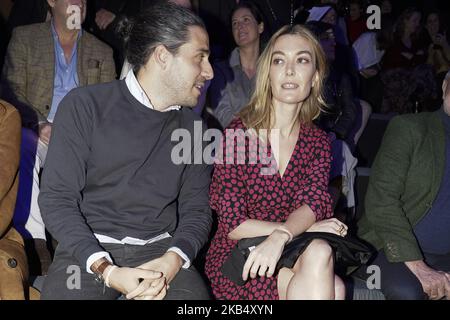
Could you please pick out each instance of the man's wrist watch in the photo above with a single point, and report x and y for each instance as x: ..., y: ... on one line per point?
x: 98, y: 267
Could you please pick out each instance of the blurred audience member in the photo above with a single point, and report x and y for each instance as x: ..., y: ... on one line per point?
x: 407, y: 215
x: 406, y: 51
x: 408, y: 81
x: 438, y: 45
x: 341, y: 113
x: 368, y: 56
x: 277, y: 14
x: 25, y: 12
x: 43, y: 63
x: 340, y: 118
x: 235, y: 79
x: 356, y: 21
x: 344, y: 56
x: 216, y: 15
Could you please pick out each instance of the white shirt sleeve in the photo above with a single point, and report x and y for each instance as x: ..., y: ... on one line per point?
x: 187, y: 262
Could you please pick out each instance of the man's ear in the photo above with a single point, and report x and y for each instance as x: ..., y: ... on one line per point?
x: 162, y: 56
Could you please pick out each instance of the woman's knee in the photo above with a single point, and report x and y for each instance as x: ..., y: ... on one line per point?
x: 319, y: 252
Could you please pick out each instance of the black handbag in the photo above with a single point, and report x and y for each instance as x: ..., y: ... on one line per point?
x: 348, y: 252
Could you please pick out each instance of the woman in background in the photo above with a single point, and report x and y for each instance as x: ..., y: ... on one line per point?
x: 236, y: 76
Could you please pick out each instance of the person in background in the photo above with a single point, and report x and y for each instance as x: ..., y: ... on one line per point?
x: 356, y: 21
x: 407, y: 80
x: 44, y: 62
x: 277, y: 14
x: 407, y: 217
x: 25, y: 12
x: 234, y: 86
x: 368, y: 53
x: 438, y: 46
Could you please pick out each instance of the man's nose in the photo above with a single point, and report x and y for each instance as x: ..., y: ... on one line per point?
x: 207, y: 71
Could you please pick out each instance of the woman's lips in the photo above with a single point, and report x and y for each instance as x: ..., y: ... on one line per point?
x: 289, y: 85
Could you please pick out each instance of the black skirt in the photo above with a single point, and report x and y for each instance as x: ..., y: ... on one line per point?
x: 348, y: 252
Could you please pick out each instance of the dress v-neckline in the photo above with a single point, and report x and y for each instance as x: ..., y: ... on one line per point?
x: 290, y: 157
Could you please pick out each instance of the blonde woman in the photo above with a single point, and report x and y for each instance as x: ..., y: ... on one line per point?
x: 293, y: 200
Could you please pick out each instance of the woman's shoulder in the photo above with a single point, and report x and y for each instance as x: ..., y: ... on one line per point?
x: 314, y: 134
x: 235, y: 124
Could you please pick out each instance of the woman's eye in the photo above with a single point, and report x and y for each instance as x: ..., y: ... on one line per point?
x: 302, y: 60
x: 277, y: 61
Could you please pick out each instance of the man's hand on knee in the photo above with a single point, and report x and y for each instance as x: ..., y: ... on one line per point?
x: 169, y: 264
x: 447, y: 286
x: 434, y: 283
x: 149, y: 290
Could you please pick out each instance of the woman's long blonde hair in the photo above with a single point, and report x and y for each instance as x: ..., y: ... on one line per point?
x: 260, y: 113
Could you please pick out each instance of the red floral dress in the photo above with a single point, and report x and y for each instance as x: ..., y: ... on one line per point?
x: 240, y: 191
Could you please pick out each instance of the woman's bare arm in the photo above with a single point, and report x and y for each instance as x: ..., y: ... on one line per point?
x: 298, y: 222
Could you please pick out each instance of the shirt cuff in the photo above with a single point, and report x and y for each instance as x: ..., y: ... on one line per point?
x: 187, y: 262
x: 94, y: 257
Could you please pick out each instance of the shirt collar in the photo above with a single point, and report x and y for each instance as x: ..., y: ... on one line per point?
x: 55, y: 34
x: 235, y: 59
x: 139, y: 93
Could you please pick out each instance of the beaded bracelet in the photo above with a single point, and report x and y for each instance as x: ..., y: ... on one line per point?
x: 108, y: 274
x: 285, y: 230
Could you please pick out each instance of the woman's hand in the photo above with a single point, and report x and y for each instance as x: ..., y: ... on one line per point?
x: 264, y: 258
x: 332, y: 225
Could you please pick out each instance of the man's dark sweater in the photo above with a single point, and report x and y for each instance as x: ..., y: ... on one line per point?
x: 433, y: 231
x: 109, y: 171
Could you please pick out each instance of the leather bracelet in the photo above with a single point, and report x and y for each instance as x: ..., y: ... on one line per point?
x: 98, y: 270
